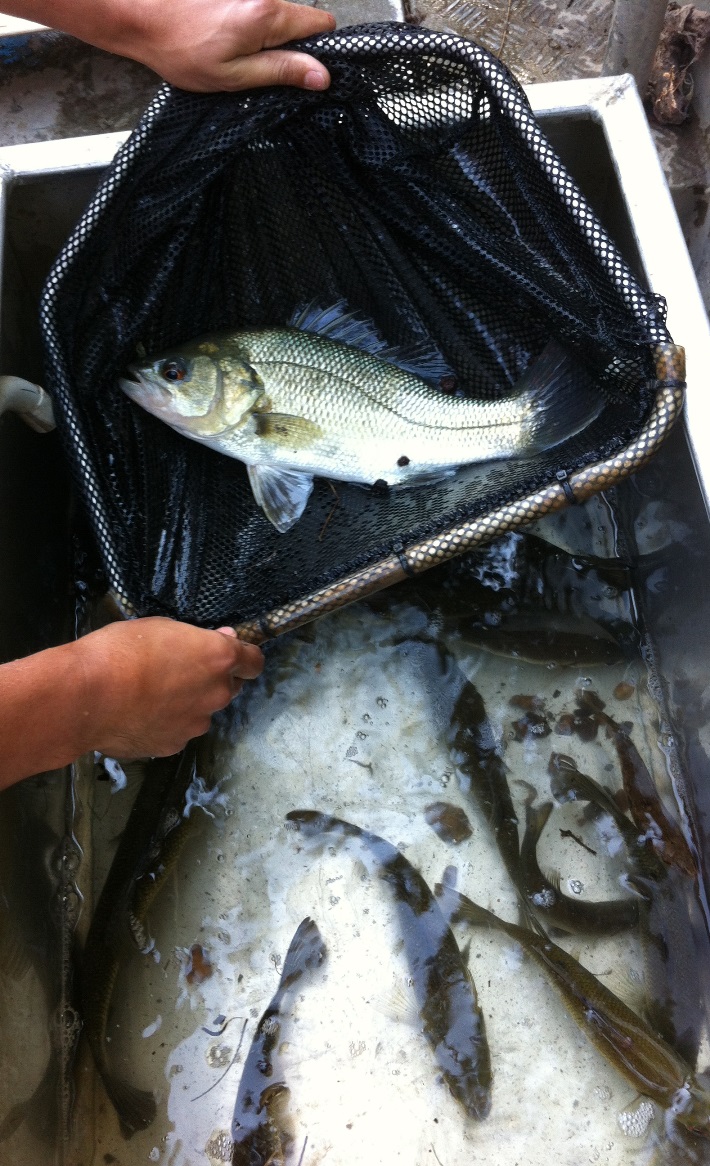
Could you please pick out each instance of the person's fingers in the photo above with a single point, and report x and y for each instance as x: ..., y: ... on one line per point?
x: 249, y: 661
x: 275, y: 67
x: 290, y: 21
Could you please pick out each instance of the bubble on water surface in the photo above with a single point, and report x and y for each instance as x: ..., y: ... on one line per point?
x: 635, y: 1122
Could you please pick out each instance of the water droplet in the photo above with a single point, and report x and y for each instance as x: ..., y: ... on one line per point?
x: 576, y: 887
x: 367, y: 719
x: 360, y: 735
x: 381, y: 702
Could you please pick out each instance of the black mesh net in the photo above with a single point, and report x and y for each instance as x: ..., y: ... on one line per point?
x: 420, y: 190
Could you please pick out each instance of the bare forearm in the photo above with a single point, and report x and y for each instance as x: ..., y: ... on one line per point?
x: 139, y: 688
x: 94, y: 21
x: 45, y: 721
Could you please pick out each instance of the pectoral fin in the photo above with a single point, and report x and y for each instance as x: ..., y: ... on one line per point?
x: 286, y: 430
x: 281, y: 494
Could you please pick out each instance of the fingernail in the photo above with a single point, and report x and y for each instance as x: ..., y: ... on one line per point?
x: 228, y: 632
x: 315, y: 80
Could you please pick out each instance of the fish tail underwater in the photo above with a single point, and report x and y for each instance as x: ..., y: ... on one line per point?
x: 135, y: 1108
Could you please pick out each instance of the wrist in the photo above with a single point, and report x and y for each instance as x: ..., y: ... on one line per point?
x: 92, y: 699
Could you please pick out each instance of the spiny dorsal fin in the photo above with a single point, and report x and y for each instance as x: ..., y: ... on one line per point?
x: 338, y: 323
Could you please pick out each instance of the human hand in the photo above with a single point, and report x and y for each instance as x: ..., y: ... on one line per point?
x: 202, y: 45
x: 207, y: 45
x: 152, y: 684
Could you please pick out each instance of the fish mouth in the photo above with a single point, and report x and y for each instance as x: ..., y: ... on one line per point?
x: 139, y: 387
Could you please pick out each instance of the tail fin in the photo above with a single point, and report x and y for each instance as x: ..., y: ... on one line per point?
x: 563, y: 398
x: 456, y: 908
x: 135, y: 1108
x: 41, y: 1111
x: 305, y: 951
x: 536, y: 818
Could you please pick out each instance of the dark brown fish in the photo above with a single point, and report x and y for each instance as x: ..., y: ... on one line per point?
x: 154, y: 834
x: 442, y: 983
x: 447, y: 821
x: 647, y: 1062
x: 475, y: 752
x: 540, y: 638
x: 646, y: 808
x: 544, y: 896
x: 670, y: 926
x: 522, y: 597
x: 261, y: 1126
x: 568, y: 784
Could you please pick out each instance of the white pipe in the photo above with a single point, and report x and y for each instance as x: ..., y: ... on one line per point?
x: 636, y: 27
x: 30, y: 401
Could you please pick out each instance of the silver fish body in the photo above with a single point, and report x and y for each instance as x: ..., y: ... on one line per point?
x: 294, y: 403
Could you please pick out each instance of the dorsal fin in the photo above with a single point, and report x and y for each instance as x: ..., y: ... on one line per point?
x: 338, y: 323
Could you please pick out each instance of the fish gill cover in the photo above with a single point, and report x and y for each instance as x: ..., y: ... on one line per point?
x: 419, y: 191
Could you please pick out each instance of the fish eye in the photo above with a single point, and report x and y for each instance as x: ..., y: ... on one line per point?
x: 174, y: 370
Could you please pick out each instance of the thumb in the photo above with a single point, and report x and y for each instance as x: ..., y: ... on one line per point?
x: 275, y: 67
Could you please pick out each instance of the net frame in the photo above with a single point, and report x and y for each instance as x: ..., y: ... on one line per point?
x: 420, y: 540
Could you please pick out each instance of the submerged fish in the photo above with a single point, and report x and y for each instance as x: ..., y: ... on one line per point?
x: 442, y: 983
x: 543, y: 893
x: 326, y: 397
x: 646, y: 808
x: 475, y: 752
x: 568, y: 784
x: 261, y: 1131
x: 151, y: 841
x: 651, y: 1066
x: 539, y: 637
x: 673, y: 936
x: 37, y: 871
